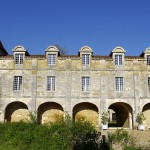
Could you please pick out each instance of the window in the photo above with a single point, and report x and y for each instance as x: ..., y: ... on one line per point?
x: 118, y: 59
x: 149, y: 83
x: 148, y: 59
x: 85, y: 84
x: 119, y: 84
x: 85, y: 59
x: 19, y: 58
x: 52, y: 59
x: 17, y: 83
x: 50, y: 83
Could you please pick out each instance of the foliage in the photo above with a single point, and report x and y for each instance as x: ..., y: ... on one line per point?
x: 104, y: 118
x: 32, y: 117
x: 121, y: 138
x: 62, y: 50
x: 70, y: 134
x: 136, y: 147
x: 64, y: 134
x: 84, y: 137
x: 140, y: 118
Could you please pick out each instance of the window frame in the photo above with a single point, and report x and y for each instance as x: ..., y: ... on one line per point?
x: 119, y: 83
x: 148, y: 83
x: 51, y: 83
x: 51, y: 59
x: 19, y: 58
x: 85, y: 59
x: 148, y: 60
x: 17, y: 84
x: 118, y: 59
x: 85, y: 84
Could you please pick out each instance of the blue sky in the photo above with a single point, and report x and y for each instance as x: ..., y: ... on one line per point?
x: 100, y: 24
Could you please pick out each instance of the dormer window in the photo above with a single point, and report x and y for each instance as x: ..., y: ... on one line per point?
x: 19, y: 54
x: 118, y: 59
x: 51, y: 54
x: 51, y: 59
x: 85, y: 59
x: 85, y: 54
x: 146, y: 55
x: 148, y: 59
x: 118, y: 54
x: 19, y: 58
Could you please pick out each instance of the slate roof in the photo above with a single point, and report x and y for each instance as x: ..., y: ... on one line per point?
x: 2, y: 49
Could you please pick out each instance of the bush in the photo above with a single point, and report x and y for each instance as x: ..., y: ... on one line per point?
x: 121, y: 139
x: 64, y: 135
x: 104, y: 118
x: 140, y: 118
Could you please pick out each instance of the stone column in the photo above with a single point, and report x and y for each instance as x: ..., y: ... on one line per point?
x: 2, y: 117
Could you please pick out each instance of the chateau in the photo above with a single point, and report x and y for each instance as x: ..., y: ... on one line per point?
x: 84, y: 85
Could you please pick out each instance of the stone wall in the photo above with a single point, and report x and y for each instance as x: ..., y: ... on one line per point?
x: 69, y: 72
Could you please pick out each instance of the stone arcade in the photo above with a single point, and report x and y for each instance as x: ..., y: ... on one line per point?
x: 83, y: 85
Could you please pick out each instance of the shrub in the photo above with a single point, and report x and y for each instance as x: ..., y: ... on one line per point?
x: 104, y: 118
x: 140, y: 118
x: 64, y: 134
x: 121, y: 138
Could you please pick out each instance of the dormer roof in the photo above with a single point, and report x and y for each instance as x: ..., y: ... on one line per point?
x: 86, y: 49
x: 20, y: 48
x: 117, y: 49
x: 52, y: 49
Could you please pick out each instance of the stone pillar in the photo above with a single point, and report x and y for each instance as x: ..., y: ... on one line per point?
x: 130, y: 121
x: 133, y: 120
x: 33, y: 92
x: 100, y: 123
x: 2, y: 116
x: 33, y: 107
x: 68, y: 79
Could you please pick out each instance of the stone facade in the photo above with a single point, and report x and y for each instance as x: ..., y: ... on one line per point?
x: 83, y: 85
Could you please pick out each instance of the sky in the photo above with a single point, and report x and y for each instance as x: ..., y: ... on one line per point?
x: 99, y: 24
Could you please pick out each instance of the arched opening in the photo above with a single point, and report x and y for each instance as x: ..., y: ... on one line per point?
x: 49, y: 112
x: 87, y: 111
x: 120, y: 115
x: 146, y: 111
x: 16, y: 111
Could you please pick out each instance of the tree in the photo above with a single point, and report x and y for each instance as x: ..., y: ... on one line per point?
x: 62, y: 50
